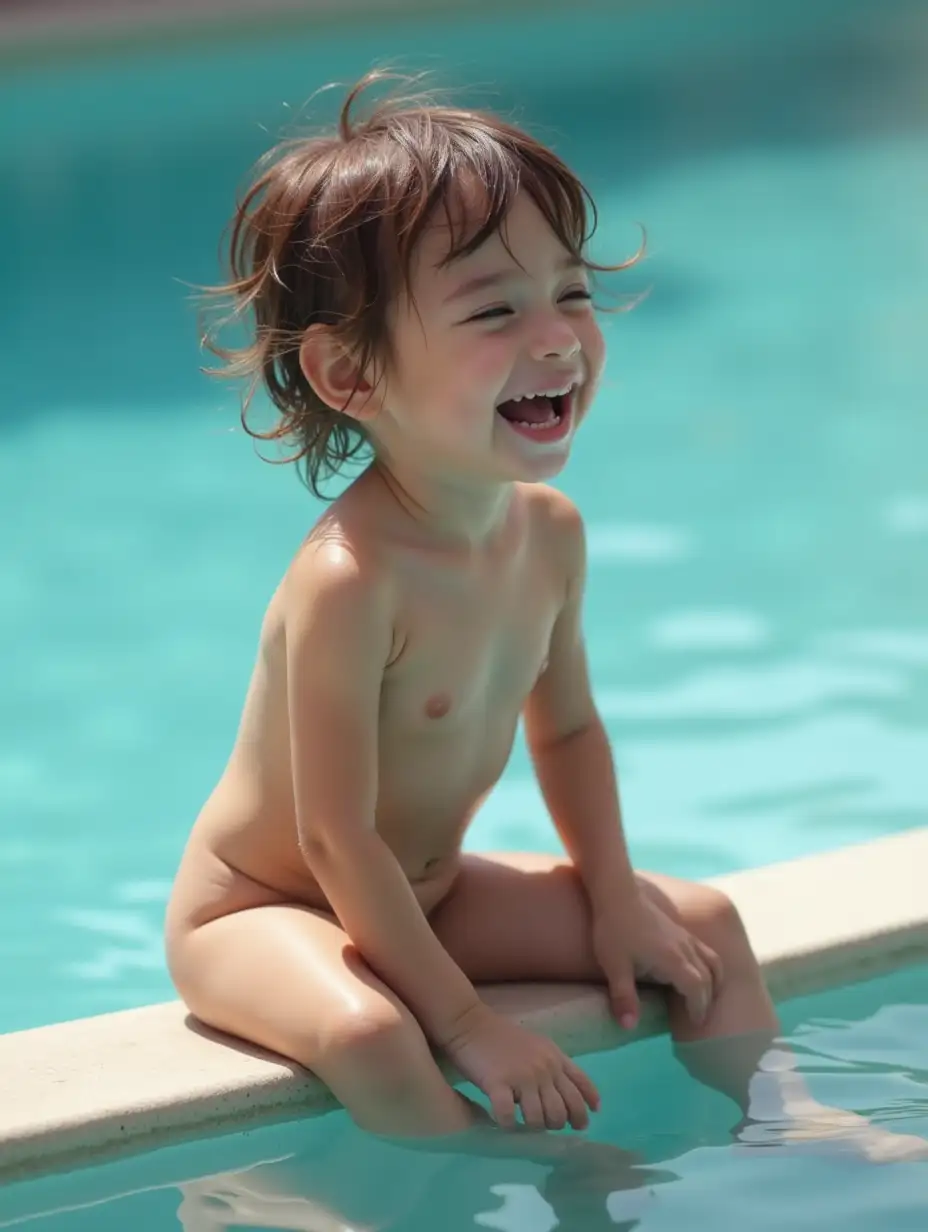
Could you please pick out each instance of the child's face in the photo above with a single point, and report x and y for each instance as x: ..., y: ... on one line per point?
x: 479, y: 335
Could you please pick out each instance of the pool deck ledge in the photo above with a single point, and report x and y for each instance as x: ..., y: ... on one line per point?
x: 101, y: 1087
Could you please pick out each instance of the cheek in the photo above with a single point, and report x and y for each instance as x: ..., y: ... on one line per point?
x: 454, y: 363
x: 487, y: 362
x: 594, y: 354
x: 594, y: 346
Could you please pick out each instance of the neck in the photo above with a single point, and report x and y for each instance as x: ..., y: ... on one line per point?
x: 457, y: 512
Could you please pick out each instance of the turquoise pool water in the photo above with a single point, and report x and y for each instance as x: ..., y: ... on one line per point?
x: 672, y: 1165
x: 754, y: 475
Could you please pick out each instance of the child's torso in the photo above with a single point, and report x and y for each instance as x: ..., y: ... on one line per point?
x: 474, y: 641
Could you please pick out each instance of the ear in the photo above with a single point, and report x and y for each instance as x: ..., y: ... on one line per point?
x: 333, y: 373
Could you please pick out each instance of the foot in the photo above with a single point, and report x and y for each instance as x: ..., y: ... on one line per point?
x: 599, y: 1186
x: 832, y: 1129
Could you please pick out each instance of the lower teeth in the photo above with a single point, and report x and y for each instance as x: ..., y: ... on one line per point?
x: 549, y: 423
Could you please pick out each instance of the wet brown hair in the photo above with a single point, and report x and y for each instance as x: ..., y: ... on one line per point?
x: 327, y: 232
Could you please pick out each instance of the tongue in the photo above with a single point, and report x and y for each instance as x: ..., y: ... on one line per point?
x: 528, y: 410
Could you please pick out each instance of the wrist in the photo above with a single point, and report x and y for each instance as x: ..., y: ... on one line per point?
x: 447, y: 1031
x: 608, y: 877
x: 615, y: 899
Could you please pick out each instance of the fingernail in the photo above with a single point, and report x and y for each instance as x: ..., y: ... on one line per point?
x: 627, y: 1021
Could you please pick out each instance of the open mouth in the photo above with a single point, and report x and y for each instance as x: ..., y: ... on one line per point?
x: 542, y: 417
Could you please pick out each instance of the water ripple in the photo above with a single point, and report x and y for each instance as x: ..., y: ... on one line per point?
x: 155, y: 891
x: 763, y: 691
x: 907, y: 515
x: 896, y: 645
x: 523, y: 1208
x: 139, y: 944
x: 892, y: 1037
x: 712, y: 629
x: 636, y: 543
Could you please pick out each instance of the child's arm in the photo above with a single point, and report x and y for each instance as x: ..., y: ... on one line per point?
x: 340, y: 627
x: 568, y: 743
x: 340, y: 635
x: 573, y: 760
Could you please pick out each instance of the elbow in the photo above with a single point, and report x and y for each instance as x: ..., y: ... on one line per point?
x: 316, y: 847
x: 323, y: 850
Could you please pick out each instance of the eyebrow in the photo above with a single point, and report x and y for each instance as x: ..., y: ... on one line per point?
x: 485, y: 281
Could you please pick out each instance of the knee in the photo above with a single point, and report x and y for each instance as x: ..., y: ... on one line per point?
x: 379, y: 1048
x: 714, y: 919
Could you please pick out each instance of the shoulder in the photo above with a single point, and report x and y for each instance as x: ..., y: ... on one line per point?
x: 558, y: 525
x: 338, y: 584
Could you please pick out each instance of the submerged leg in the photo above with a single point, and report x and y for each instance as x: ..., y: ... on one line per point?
x: 738, y: 1050
x: 526, y: 916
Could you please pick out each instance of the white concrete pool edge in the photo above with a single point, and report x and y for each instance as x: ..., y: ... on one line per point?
x: 97, y: 1088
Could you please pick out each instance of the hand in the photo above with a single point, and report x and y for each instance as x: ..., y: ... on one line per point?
x: 516, y: 1068
x: 642, y: 942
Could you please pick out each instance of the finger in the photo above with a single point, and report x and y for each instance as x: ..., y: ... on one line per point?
x: 554, y: 1105
x: 584, y: 1084
x: 700, y: 1000
x: 574, y: 1102
x: 623, y: 996
x: 533, y: 1114
x: 503, y: 1105
x: 689, y: 979
x: 714, y: 963
x: 706, y: 959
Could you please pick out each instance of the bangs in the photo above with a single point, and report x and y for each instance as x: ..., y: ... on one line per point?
x: 470, y: 173
x: 478, y: 202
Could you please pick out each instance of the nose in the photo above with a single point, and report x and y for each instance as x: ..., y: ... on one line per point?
x: 554, y: 339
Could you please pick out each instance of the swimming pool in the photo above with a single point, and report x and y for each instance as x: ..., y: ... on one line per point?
x: 860, y: 1047
x: 753, y: 475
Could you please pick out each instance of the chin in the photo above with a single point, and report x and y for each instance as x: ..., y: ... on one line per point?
x: 542, y: 470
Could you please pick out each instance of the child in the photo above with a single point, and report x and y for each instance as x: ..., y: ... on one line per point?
x: 420, y: 287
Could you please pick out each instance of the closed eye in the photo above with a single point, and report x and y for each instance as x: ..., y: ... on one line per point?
x: 503, y: 310
x: 492, y: 314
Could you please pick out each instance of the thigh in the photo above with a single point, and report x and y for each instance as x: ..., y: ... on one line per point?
x: 525, y: 916
x: 517, y: 917
x: 283, y: 976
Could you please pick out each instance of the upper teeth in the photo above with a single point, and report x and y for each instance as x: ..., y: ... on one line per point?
x: 546, y: 393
